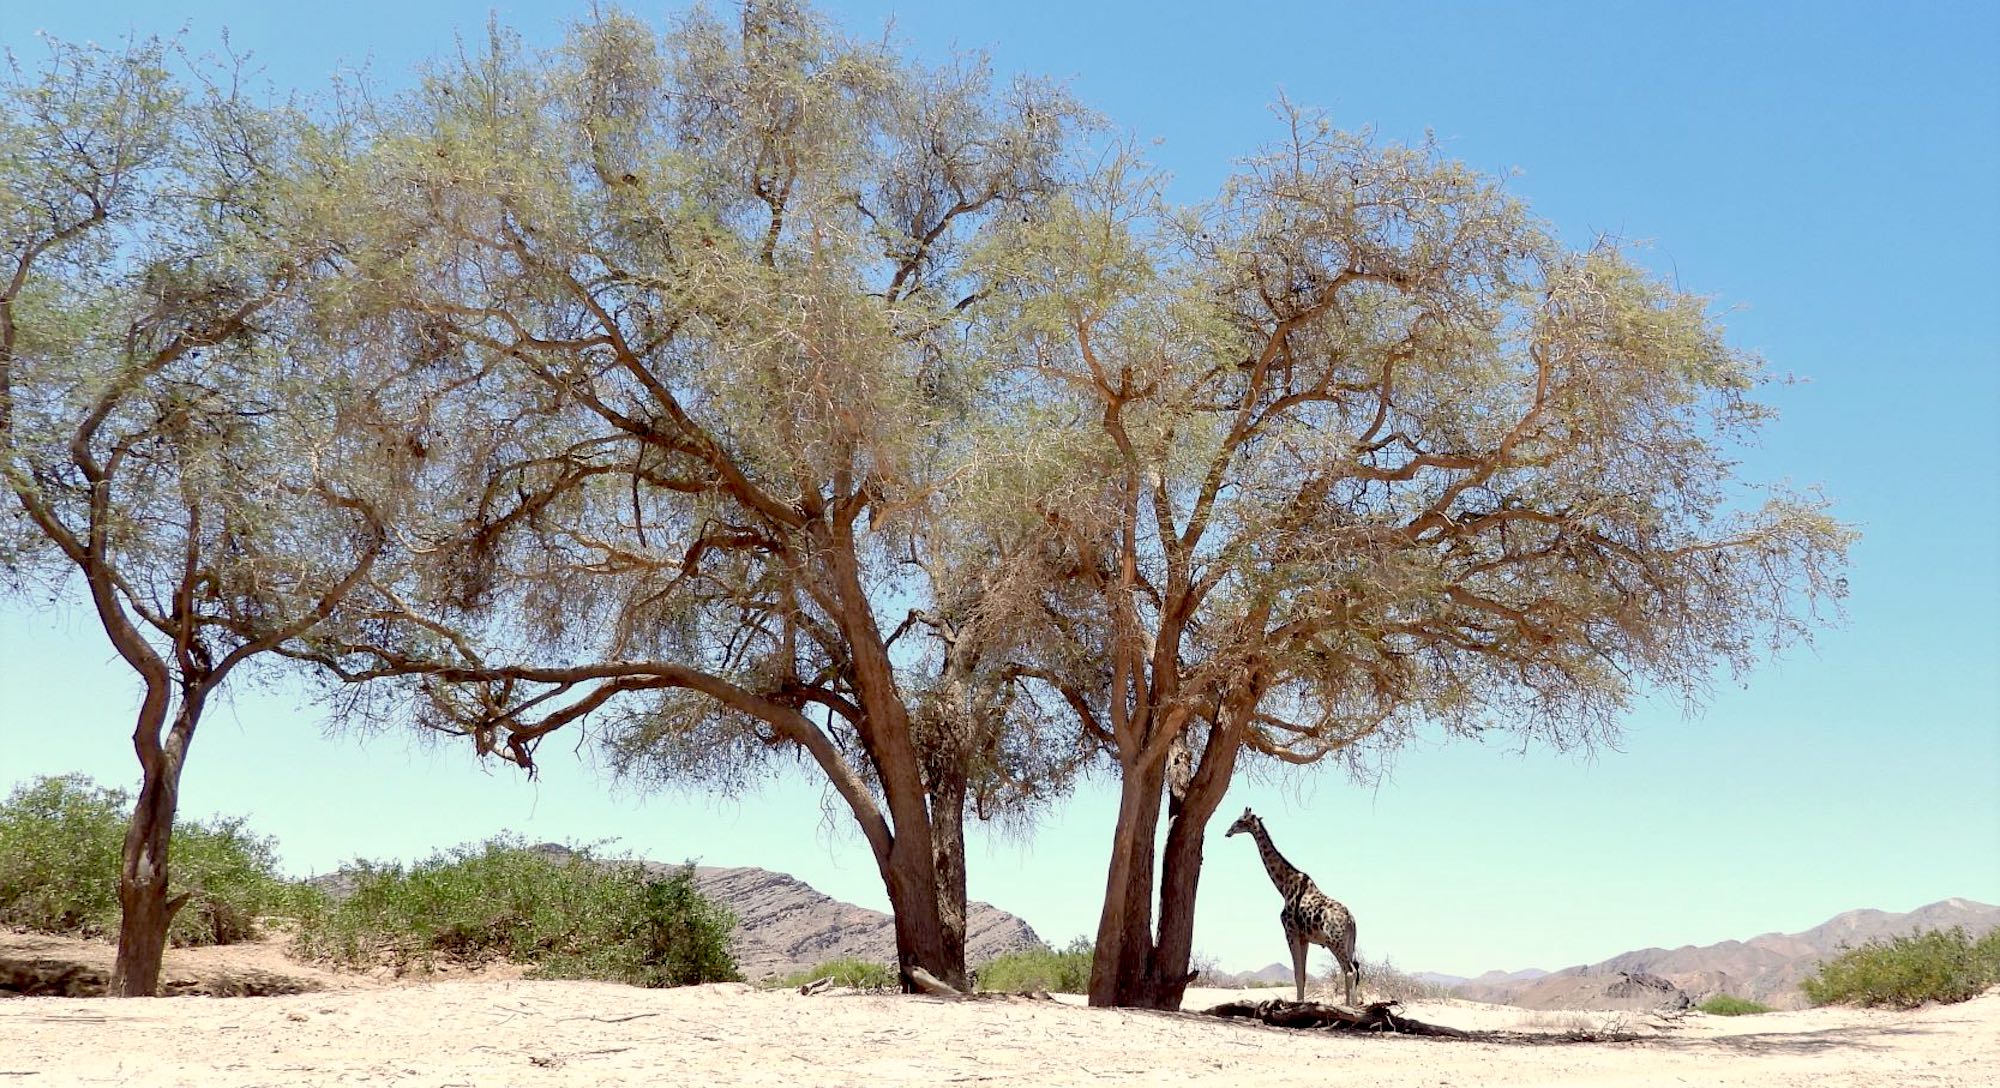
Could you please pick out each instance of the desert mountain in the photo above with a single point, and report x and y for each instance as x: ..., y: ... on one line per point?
x: 785, y: 925
x: 1765, y: 968
x: 1270, y: 972
x: 1500, y: 978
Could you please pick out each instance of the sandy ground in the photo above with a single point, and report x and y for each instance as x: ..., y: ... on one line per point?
x: 498, y: 1029
x: 550, y: 1034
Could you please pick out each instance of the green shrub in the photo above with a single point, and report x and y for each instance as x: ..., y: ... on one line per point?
x: 235, y: 879
x: 570, y: 917
x: 1942, y: 965
x: 847, y: 971
x: 1064, y: 972
x: 61, y: 843
x: 1726, y: 1005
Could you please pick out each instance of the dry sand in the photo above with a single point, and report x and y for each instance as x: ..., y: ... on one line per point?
x: 550, y: 1034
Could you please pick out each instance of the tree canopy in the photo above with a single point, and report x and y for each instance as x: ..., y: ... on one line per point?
x: 750, y: 392
x: 1359, y: 446
x: 684, y: 314
x: 180, y: 436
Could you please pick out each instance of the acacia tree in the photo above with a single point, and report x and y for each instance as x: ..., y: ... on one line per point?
x: 687, y: 307
x: 1357, y: 447
x: 164, y: 441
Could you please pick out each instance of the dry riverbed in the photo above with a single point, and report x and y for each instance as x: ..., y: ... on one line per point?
x: 510, y: 1031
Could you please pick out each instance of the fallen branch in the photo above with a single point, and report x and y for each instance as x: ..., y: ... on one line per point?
x: 936, y: 987
x: 815, y: 986
x: 1312, y: 1015
x: 1382, y: 1016
x: 931, y: 984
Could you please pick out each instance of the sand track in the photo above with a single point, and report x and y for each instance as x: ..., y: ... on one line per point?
x: 576, y: 1033
x: 510, y: 1031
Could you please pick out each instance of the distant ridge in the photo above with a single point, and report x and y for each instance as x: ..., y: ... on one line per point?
x: 1765, y: 968
x: 784, y: 925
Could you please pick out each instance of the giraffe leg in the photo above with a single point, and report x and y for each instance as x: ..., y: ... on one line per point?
x: 1298, y: 961
x: 1350, y: 968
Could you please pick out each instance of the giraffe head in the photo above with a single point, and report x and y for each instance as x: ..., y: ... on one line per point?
x: 1246, y: 822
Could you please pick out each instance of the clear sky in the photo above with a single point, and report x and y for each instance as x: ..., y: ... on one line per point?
x: 1826, y: 171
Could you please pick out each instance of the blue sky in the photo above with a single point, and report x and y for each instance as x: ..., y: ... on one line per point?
x: 1825, y: 171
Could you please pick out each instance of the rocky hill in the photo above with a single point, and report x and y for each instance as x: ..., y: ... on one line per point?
x: 1503, y: 979
x: 785, y: 925
x: 1766, y: 968
x: 1273, y: 974
x: 1609, y: 989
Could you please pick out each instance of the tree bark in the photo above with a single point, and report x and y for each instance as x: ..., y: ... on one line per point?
x: 913, y: 902
x: 911, y: 866
x: 1133, y: 967
x: 1180, y: 875
x: 1124, y: 929
x: 947, y: 798
x: 146, y: 910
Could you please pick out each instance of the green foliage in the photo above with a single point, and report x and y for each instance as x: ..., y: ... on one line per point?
x: 847, y: 971
x: 59, y: 845
x: 570, y: 917
x: 1726, y: 1005
x: 1942, y: 965
x: 61, y: 838
x: 1065, y: 972
x: 234, y: 878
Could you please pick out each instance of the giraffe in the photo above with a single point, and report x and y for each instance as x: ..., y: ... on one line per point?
x: 1310, y: 916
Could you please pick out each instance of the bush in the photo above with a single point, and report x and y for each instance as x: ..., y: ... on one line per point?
x: 62, y: 840
x: 1942, y: 965
x: 1065, y: 972
x: 1386, y: 980
x: 235, y: 877
x: 1726, y: 1005
x: 847, y: 971
x: 570, y: 917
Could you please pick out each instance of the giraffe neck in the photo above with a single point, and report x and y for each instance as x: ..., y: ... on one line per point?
x: 1284, y: 874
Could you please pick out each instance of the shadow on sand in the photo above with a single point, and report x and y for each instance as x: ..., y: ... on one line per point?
x: 1856, y: 1037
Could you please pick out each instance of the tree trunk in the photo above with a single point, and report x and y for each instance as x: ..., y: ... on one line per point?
x: 911, y: 875
x: 911, y: 867
x: 146, y: 912
x: 1134, y: 968
x: 902, y: 845
x: 1180, y: 879
x: 1124, y: 929
x: 1180, y: 874
x: 948, y: 845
